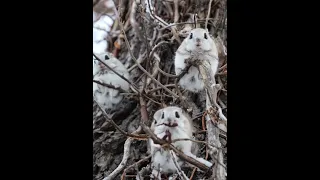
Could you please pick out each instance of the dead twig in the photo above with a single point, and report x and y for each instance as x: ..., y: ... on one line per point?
x: 180, y: 172
x: 176, y: 11
x: 167, y: 74
x: 196, y: 141
x: 181, y: 155
x: 208, y: 15
x: 141, y: 137
x: 126, y: 154
x: 133, y: 165
x: 156, y: 89
x: 135, y: 60
x: 156, y: 46
x: 110, y: 86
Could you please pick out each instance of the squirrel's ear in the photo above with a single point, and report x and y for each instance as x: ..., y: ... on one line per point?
x: 158, y: 114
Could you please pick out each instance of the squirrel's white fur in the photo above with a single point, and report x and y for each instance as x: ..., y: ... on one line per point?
x: 108, y: 98
x: 161, y: 158
x: 198, y: 45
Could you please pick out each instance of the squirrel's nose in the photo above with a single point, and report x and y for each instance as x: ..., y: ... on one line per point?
x: 198, y: 39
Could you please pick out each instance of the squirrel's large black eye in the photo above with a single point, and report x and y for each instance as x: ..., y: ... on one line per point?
x: 106, y: 57
x: 162, y: 115
x: 190, y: 36
x: 177, y: 115
x: 205, y: 36
x: 155, y: 122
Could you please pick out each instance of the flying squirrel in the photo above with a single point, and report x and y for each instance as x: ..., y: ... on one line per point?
x: 172, y: 123
x: 198, y: 45
x: 107, y: 97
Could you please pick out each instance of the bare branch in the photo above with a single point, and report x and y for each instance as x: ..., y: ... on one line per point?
x: 208, y: 15
x: 135, y: 60
x: 123, y: 163
x: 110, y: 86
x: 144, y: 36
x: 133, y: 165
x: 184, y: 157
x: 176, y: 11
x: 117, y: 127
x: 180, y: 172
x: 156, y: 46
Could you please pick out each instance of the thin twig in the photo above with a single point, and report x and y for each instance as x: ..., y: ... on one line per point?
x: 156, y: 89
x: 206, y: 24
x: 156, y: 46
x: 193, y: 172
x: 184, y: 157
x: 222, y: 67
x: 139, y: 60
x: 110, y: 86
x: 203, y: 142
x: 133, y: 165
x: 180, y: 172
x: 117, y: 127
x: 167, y: 74
x: 123, y: 163
x: 176, y: 11
x: 135, y: 60
x: 175, y: 24
x: 122, y: 77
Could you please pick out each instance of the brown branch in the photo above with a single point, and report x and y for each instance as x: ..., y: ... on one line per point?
x: 186, y: 139
x: 143, y: 110
x: 167, y: 74
x: 184, y: 157
x: 223, y: 67
x: 156, y: 89
x: 156, y: 46
x: 193, y: 172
